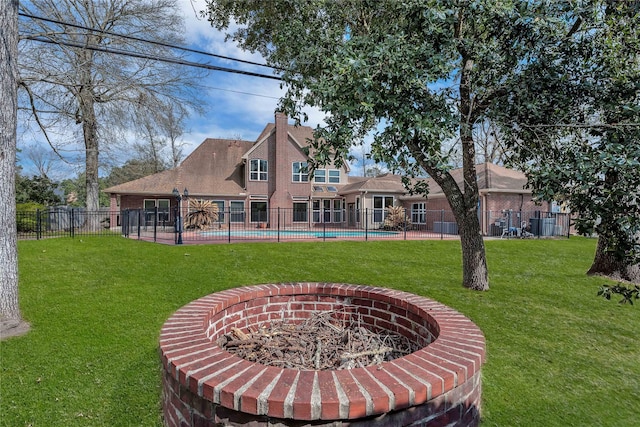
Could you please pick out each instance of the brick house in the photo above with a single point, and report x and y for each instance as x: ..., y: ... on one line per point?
x: 253, y: 181
x: 249, y: 180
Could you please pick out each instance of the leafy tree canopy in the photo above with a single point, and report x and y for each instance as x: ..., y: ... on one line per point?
x: 418, y: 73
x: 37, y: 189
x: 579, y: 140
x: 133, y: 169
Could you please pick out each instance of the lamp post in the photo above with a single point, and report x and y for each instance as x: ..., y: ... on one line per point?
x: 178, y: 197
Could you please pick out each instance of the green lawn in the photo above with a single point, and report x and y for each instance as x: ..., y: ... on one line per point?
x: 557, y: 354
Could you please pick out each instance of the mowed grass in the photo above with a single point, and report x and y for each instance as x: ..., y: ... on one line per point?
x: 557, y: 355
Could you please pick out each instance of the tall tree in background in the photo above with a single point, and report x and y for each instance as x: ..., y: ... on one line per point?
x: 10, y: 316
x: 423, y: 71
x: 160, y: 130
x: 67, y: 82
x: 578, y: 129
x: 171, y: 123
x: 150, y: 145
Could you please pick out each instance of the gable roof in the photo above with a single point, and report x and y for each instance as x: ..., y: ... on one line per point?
x: 213, y: 168
x: 387, y: 183
x: 490, y: 178
x: 301, y: 135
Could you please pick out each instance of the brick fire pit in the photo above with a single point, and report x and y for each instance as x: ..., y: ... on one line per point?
x: 204, y: 385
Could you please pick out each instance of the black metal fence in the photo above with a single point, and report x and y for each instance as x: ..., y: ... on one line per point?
x: 167, y: 226
x: 63, y: 221
x: 366, y: 224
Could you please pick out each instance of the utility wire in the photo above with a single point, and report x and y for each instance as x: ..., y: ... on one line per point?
x: 186, y: 49
x: 238, y: 91
x: 151, y: 57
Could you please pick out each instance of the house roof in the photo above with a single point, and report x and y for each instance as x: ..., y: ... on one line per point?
x: 490, y: 178
x: 299, y: 133
x: 211, y: 169
x: 302, y: 135
x: 387, y: 183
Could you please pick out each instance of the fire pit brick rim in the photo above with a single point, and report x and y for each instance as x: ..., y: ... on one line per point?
x: 453, y: 357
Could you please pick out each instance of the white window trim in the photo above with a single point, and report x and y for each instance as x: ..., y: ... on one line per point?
x: 300, y: 174
x: 315, y: 176
x: 259, y: 172
x: 329, y: 177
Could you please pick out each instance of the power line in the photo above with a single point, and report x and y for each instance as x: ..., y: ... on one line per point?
x: 186, y: 49
x: 240, y: 92
x: 151, y: 57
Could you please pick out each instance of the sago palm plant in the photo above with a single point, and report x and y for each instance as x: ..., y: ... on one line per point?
x: 202, y: 214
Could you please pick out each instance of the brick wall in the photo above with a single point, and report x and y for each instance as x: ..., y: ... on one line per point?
x: 204, y: 385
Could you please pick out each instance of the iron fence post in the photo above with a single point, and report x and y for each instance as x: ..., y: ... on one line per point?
x: 73, y: 223
x: 278, y: 225
x: 38, y: 224
x: 442, y: 224
x: 324, y: 227
x: 366, y: 224
x: 155, y: 224
x: 124, y: 223
x: 405, y: 224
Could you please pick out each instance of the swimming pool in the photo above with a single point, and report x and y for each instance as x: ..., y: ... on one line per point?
x: 297, y: 233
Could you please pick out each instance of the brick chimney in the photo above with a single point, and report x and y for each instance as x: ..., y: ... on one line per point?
x: 281, y: 164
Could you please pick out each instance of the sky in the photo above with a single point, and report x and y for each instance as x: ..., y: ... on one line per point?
x: 236, y: 106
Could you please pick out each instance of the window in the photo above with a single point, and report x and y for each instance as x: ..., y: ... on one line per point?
x: 320, y: 175
x: 334, y: 176
x: 316, y: 211
x: 258, y: 171
x: 220, y: 205
x: 337, y: 210
x: 300, y: 172
x: 163, y: 210
x: 380, y: 205
x: 318, y: 189
x: 328, y: 210
x: 237, y: 211
x: 326, y: 206
x: 300, y: 213
x: 332, y: 189
x: 259, y: 212
x: 150, y: 208
x: 418, y: 213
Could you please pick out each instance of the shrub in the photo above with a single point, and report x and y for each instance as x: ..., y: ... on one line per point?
x: 27, y: 217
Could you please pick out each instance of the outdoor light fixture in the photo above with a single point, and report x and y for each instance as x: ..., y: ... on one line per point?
x: 178, y: 197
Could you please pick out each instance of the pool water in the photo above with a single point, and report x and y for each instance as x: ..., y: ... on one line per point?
x: 298, y: 233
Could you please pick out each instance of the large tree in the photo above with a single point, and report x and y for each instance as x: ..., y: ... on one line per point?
x: 37, y: 189
x: 578, y: 129
x: 10, y: 317
x: 421, y: 72
x: 69, y: 82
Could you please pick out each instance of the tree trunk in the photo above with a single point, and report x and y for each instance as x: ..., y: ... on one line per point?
x: 9, y: 307
x: 90, y: 133
x: 465, y: 209
x: 465, y: 206
x: 474, y: 262
x: 607, y: 264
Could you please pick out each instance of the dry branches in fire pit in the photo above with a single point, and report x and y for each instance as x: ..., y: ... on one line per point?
x: 327, y: 340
